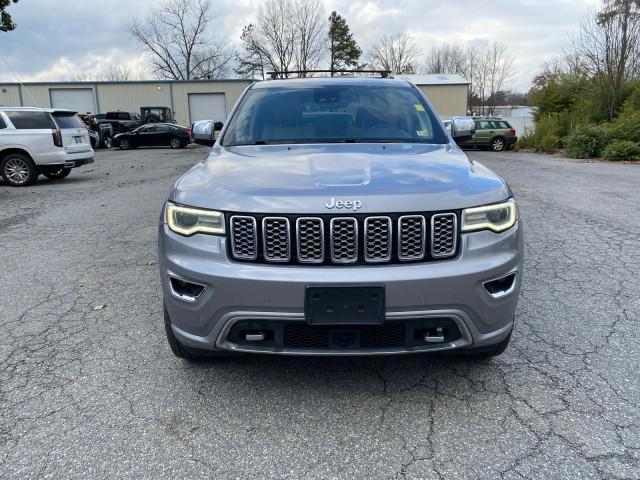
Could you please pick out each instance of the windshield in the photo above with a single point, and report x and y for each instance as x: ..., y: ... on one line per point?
x: 333, y: 113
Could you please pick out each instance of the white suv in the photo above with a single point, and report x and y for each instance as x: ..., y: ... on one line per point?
x: 44, y: 141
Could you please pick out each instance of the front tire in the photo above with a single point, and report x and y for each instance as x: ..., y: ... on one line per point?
x: 124, y: 145
x: 497, y: 144
x: 175, y: 143
x: 18, y: 170
x: 57, y: 174
x: 107, y: 143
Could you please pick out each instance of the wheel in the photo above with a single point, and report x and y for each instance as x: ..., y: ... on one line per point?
x: 490, y: 350
x: 18, y: 170
x: 124, y: 145
x: 60, y: 173
x: 175, y: 143
x: 187, y: 353
x: 107, y: 142
x: 497, y: 144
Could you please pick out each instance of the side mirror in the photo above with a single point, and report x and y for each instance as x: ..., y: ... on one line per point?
x: 462, y: 128
x: 202, y: 132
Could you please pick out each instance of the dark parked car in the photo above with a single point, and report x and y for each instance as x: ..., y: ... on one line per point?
x: 154, y: 135
x: 122, y: 121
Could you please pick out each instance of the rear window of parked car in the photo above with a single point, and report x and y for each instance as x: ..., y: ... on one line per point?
x: 119, y: 116
x: 68, y: 121
x: 30, y: 120
x: 490, y: 124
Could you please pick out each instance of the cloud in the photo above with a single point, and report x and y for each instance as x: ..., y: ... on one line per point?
x: 55, y: 39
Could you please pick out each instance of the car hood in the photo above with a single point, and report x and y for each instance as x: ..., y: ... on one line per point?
x: 302, y: 179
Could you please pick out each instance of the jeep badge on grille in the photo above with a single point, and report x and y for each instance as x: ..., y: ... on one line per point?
x: 348, y: 204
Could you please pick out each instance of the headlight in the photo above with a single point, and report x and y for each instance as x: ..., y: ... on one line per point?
x: 498, y: 217
x: 189, y: 221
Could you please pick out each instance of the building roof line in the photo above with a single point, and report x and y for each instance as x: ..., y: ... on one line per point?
x: 120, y: 82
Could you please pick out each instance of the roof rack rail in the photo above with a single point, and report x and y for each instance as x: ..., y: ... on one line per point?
x: 303, y: 73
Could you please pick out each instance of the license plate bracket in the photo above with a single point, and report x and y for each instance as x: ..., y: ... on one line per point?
x: 344, y: 305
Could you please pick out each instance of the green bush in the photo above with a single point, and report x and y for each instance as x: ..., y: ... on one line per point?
x: 546, y: 137
x: 622, y: 150
x: 586, y: 142
x: 549, y: 143
x: 526, y: 142
x: 626, y: 126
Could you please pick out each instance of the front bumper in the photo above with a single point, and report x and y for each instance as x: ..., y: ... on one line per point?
x: 452, y: 290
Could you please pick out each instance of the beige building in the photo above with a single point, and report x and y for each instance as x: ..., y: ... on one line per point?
x: 191, y: 100
x: 447, y: 93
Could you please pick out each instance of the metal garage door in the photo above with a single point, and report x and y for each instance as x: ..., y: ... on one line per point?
x: 78, y: 99
x: 207, y: 106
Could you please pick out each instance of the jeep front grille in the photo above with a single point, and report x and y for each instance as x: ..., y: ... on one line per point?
x: 377, y: 239
x: 244, y: 237
x: 344, y: 240
x: 359, y: 239
x: 443, y: 235
x: 411, y: 237
x: 275, y: 237
x: 310, y: 239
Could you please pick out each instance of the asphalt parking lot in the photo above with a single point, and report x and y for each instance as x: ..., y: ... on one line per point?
x: 89, y: 388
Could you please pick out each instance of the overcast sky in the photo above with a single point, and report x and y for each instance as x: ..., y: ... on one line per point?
x: 56, y: 38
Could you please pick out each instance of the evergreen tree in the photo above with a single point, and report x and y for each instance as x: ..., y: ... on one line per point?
x: 344, y: 50
x: 6, y: 23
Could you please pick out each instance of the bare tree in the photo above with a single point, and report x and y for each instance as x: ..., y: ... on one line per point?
x: 178, y: 38
x: 499, y: 65
x: 270, y: 43
x: 447, y: 58
x: 310, y: 34
x: 117, y: 73
x: 607, y: 49
x: 288, y: 35
x: 79, y: 76
x: 398, y: 54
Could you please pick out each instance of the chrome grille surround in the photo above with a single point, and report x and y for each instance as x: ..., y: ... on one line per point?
x: 344, y: 240
x: 244, y: 237
x: 412, y: 237
x: 276, y: 240
x: 348, y: 240
x: 444, y: 235
x: 377, y: 239
x: 310, y: 239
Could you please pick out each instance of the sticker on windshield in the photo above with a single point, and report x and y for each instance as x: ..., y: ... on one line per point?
x: 419, y: 107
x: 422, y: 133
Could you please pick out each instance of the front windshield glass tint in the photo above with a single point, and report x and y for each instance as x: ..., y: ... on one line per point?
x: 333, y: 113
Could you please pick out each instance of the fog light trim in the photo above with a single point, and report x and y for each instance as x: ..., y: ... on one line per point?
x: 502, y: 286
x: 185, y: 290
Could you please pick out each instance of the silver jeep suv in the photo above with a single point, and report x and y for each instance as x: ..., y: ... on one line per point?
x: 336, y: 216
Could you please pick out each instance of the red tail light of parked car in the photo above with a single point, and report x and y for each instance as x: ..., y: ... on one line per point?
x: 57, y: 137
